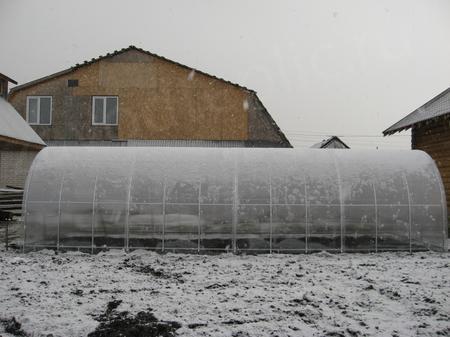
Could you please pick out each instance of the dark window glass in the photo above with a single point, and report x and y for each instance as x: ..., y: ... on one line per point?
x: 72, y: 83
x: 45, y: 110
x: 32, y: 110
x: 98, y: 110
x: 111, y: 110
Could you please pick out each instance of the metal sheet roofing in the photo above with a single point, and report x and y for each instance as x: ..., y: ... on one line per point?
x: 436, y: 107
x: 12, y: 125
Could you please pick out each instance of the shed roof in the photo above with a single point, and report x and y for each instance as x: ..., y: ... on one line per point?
x: 109, y: 55
x: 434, y: 108
x: 326, y: 142
x: 14, y: 127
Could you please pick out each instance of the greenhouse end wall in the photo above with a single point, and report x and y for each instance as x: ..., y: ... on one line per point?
x: 238, y: 200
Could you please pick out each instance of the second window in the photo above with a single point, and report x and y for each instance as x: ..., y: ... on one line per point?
x: 105, y: 110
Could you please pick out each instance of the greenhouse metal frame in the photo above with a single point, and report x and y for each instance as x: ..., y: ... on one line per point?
x: 236, y: 200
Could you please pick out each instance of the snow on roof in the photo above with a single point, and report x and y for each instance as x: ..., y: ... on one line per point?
x: 436, y: 107
x: 14, y: 126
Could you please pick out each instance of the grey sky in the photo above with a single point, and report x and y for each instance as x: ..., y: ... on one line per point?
x: 347, y: 67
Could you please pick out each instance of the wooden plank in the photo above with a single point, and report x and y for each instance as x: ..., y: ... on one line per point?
x: 17, y: 212
x: 12, y: 206
x: 10, y: 199
x: 442, y: 133
x: 5, y: 195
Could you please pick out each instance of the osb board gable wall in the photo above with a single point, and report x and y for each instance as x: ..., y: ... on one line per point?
x: 434, y: 138
x: 161, y: 100
x: 157, y: 100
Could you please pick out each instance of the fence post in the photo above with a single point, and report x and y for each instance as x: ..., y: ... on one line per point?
x: 6, y: 235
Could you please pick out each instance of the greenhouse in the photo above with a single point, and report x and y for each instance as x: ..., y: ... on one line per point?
x: 236, y: 200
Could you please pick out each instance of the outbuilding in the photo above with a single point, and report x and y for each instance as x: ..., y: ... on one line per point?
x: 430, y: 132
x: 333, y: 142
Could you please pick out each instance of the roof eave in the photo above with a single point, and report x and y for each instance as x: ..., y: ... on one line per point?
x: 389, y: 132
x: 23, y: 143
x: 40, y: 80
x: 392, y: 129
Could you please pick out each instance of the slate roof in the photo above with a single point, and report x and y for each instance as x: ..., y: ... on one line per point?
x: 434, y: 108
x: 117, y: 52
x: 13, y: 126
x: 324, y: 143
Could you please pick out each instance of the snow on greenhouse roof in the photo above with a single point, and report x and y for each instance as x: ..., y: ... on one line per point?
x: 436, y: 107
x: 14, y: 126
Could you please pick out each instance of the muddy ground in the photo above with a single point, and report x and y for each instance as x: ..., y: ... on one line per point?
x: 146, y: 294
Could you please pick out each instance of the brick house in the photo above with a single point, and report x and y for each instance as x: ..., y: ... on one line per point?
x: 19, y: 144
x: 134, y: 97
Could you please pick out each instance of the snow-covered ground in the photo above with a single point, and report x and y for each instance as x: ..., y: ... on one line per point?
x: 387, y: 294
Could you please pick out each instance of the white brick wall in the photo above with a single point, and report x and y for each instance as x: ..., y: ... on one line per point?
x: 14, y: 166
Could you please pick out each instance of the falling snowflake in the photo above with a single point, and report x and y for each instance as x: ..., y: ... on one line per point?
x: 191, y: 75
x: 245, y: 104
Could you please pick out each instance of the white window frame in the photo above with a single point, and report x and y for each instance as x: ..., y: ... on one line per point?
x: 39, y: 110
x: 104, y: 110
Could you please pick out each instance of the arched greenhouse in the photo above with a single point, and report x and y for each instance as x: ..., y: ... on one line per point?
x: 213, y: 199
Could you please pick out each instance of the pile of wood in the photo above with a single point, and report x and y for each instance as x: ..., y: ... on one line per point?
x: 10, y: 210
x: 10, y: 203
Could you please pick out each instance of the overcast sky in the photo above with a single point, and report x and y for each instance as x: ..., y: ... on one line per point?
x: 321, y: 67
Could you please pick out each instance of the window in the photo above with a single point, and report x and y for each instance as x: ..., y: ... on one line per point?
x: 104, y: 110
x: 39, y: 110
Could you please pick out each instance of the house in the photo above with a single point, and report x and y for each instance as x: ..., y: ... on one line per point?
x: 133, y: 97
x: 430, y: 132
x: 333, y: 142
x: 19, y: 144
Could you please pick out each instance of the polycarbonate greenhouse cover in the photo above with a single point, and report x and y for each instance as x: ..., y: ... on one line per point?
x: 258, y: 200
